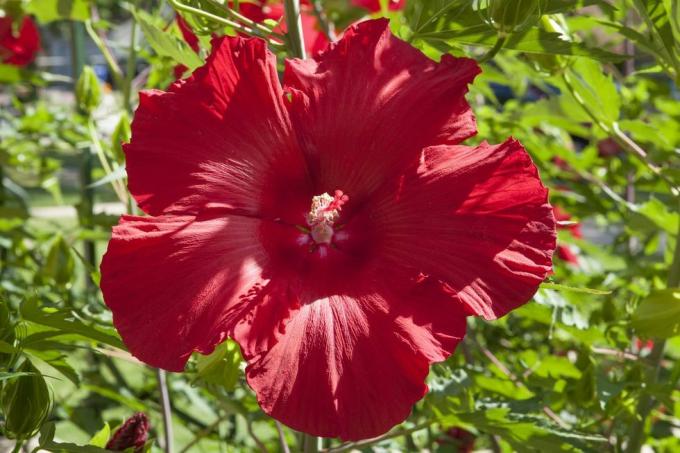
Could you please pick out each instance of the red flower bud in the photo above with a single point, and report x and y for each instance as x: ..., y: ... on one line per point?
x: 133, y: 433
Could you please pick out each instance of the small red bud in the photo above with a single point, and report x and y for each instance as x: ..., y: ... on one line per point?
x: 133, y: 433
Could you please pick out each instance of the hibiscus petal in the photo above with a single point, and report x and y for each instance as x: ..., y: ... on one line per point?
x: 222, y: 138
x: 372, y: 98
x: 178, y: 284
x: 477, y: 219
x: 352, y: 366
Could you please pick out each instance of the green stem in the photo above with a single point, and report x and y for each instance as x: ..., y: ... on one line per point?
x: 500, y: 42
x: 326, y: 25
x: 392, y: 434
x: 647, y: 402
x: 310, y: 444
x: 17, y: 446
x: 202, y: 434
x: 86, y: 213
x: 108, y: 56
x: 235, y: 15
x: 4, y: 253
x: 130, y: 68
x: 166, y: 409
x: 179, y: 6
x: 117, y: 185
x: 296, y: 40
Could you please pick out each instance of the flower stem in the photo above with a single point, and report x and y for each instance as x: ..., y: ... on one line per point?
x: 167, y: 409
x: 647, y: 402
x: 326, y: 25
x: 85, y: 212
x: 295, y: 38
x: 282, y: 437
x: 500, y: 42
x: 179, y: 6
x: 310, y: 444
x: 130, y: 68
x: 111, y: 62
x: 235, y: 15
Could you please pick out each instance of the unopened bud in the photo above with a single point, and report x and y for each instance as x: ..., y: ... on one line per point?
x: 121, y: 134
x: 131, y: 434
x: 88, y: 92
x: 25, y: 403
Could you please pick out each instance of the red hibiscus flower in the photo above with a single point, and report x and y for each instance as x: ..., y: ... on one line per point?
x: 564, y: 252
x: 131, y: 434
x: 336, y: 229
x: 18, y: 46
x: 374, y: 5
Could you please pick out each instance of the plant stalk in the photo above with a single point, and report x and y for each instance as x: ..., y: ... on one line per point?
x: 130, y: 68
x: 166, y: 408
x: 295, y: 38
x: 310, y: 444
x: 86, y: 208
x: 500, y: 42
x: 647, y: 402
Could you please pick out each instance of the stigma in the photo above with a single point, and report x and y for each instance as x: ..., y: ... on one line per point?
x: 323, y: 215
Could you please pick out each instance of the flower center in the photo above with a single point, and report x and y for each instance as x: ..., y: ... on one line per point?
x: 323, y: 214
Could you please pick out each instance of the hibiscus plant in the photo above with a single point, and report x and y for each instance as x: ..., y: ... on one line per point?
x: 339, y: 225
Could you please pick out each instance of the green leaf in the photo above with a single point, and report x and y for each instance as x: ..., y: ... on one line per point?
x: 561, y: 6
x: 673, y: 12
x: 7, y: 348
x: 557, y: 367
x: 50, y: 10
x: 57, y: 361
x: 48, y: 443
x: 525, y: 433
x: 59, y: 264
x: 166, y: 44
x: 222, y: 366
x: 113, y: 395
x: 504, y: 387
x: 596, y: 90
x: 658, y: 315
x: 101, y: 437
x: 573, y: 289
x: 660, y: 215
x: 532, y: 40
x: 68, y: 322
x: 11, y: 375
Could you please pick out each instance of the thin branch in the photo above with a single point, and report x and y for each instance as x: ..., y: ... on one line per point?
x: 296, y: 40
x: 117, y: 185
x: 235, y: 25
x: 282, y: 437
x: 202, y: 434
x: 266, y: 31
x: 624, y: 355
x: 647, y: 402
x: 364, y: 443
x: 498, y: 45
x: 326, y: 26
x: 617, y: 134
x: 546, y: 410
x: 260, y: 444
x: 167, y: 409
x: 100, y: 42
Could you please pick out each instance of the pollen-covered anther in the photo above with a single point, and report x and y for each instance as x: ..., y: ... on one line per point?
x: 323, y: 214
